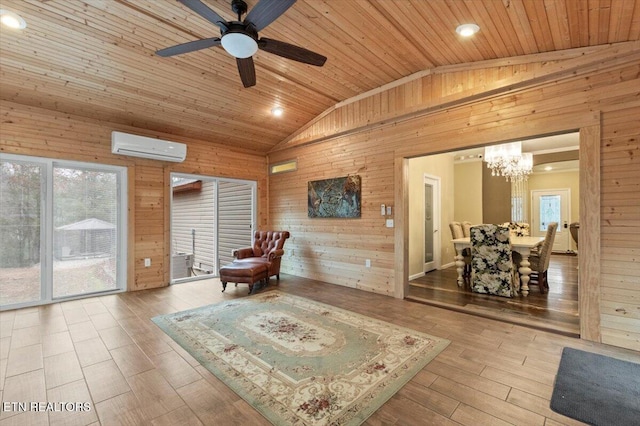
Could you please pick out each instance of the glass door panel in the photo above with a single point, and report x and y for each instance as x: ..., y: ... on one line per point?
x: 235, y: 218
x: 20, y: 228
x: 428, y: 223
x: 85, y: 217
x: 210, y: 217
x: 432, y: 242
x: 192, y: 226
x: 548, y: 206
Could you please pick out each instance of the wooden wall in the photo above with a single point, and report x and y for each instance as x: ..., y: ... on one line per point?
x: 496, y: 198
x: 620, y: 227
x: 46, y: 133
x: 444, y: 111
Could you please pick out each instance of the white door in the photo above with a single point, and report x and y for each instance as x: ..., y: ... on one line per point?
x: 552, y: 205
x: 431, y: 223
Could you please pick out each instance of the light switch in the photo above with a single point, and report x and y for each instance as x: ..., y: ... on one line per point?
x: 389, y: 223
x: 382, y: 209
x: 147, y: 262
x: 388, y: 210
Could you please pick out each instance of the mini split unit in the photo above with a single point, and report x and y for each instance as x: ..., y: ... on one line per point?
x: 141, y: 146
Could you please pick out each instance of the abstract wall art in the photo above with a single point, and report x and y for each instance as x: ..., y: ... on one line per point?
x: 337, y: 197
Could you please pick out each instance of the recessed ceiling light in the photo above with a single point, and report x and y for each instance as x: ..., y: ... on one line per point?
x: 467, y: 30
x: 548, y: 168
x: 277, y: 111
x: 12, y: 20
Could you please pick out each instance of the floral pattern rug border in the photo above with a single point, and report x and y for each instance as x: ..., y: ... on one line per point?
x: 302, y: 362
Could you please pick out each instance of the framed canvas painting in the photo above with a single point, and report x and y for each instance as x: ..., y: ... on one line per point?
x: 337, y: 197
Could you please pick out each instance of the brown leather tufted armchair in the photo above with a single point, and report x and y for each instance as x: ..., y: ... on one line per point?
x: 267, y: 249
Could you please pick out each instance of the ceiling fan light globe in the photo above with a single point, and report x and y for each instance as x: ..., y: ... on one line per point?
x: 239, y: 45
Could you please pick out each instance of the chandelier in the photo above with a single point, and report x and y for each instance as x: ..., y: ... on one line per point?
x: 509, y: 161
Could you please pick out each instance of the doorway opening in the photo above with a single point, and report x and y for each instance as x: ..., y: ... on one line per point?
x: 472, y: 196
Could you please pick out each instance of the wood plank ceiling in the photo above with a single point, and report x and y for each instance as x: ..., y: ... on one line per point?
x: 96, y: 59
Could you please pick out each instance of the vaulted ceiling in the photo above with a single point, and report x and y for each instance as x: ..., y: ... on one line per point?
x: 96, y: 58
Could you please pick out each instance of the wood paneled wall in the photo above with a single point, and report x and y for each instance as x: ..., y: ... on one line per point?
x: 444, y: 110
x: 620, y: 227
x: 488, y: 106
x: 45, y: 133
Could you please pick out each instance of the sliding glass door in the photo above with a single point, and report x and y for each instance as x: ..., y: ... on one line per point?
x: 209, y: 218
x: 63, y: 228
x: 85, y: 217
x: 21, y: 194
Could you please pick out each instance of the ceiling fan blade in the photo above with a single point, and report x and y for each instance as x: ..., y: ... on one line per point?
x: 267, y: 11
x: 247, y: 71
x: 189, y: 47
x: 290, y: 51
x: 201, y: 9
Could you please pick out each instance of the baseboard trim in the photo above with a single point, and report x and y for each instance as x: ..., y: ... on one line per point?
x: 415, y: 276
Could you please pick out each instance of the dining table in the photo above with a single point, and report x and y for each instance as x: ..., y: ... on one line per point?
x: 522, y: 245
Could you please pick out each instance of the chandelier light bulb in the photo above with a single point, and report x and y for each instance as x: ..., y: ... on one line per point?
x: 509, y: 161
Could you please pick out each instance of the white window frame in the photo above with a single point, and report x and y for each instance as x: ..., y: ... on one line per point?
x: 47, y: 228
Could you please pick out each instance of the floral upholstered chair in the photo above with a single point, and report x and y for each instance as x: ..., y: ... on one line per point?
x: 491, y: 262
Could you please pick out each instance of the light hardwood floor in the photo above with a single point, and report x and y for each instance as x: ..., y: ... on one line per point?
x: 107, y: 352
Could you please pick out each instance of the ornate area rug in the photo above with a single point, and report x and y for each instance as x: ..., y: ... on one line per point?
x: 300, y: 362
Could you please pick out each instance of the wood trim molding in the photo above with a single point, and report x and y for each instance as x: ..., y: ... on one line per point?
x: 585, y: 63
x: 589, y: 234
x: 589, y: 259
x: 166, y: 274
x: 401, y: 233
x: 131, y: 228
x: 559, y: 55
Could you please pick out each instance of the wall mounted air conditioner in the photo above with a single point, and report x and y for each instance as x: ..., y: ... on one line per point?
x: 141, y: 146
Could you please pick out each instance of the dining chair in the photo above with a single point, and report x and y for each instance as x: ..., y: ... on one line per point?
x: 540, y: 260
x: 466, y: 228
x: 574, y: 229
x: 491, y: 263
x: 457, y: 232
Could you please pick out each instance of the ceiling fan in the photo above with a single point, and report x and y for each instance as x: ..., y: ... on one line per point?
x: 240, y: 38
